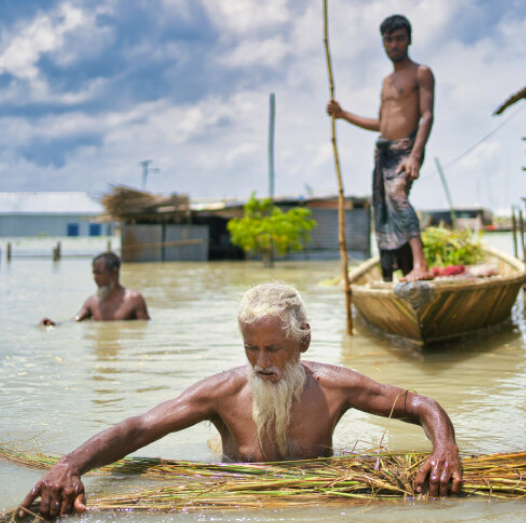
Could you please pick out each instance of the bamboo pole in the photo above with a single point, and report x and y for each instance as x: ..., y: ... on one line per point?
x: 448, y: 195
x: 514, y: 231
x: 521, y: 231
x: 341, y: 197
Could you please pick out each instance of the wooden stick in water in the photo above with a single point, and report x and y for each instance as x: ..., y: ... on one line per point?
x: 341, y: 197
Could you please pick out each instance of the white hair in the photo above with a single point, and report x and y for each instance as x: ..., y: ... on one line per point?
x: 275, y: 300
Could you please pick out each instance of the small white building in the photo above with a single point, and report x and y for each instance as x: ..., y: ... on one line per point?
x: 51, y: 214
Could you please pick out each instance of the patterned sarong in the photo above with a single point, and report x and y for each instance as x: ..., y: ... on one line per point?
x: 394, y: 218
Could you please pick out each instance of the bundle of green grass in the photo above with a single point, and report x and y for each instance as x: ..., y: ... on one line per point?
x: 448, y: 253
x: 343, y: 480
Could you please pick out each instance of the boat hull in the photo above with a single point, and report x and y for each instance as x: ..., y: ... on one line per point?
x: 424, y: 313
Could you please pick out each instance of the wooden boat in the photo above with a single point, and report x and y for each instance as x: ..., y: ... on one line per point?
x: 427, y: 312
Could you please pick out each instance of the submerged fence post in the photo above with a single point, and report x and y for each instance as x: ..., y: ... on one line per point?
x: 55, y: 253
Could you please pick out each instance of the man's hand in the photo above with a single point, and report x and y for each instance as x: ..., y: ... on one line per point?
x: 60, y: 490
x: 411, y: 168
x: 46, y: 322
x: 334, y: 109
x: 440, y: 467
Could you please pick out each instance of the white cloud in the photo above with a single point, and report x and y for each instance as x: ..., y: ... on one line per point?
x: 218, y: 143
x: 242, y: 150
x: 44, y: 34
x: 265, y: 52
x: 246, y: 16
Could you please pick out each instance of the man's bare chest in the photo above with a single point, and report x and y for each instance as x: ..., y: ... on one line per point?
x: 400, y: 88
x: 309, y: 434
x: 113, y: 310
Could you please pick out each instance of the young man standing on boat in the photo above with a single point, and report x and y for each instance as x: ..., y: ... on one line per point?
x: 112, y: 301
x: 405, y: 120
x: 274, y: 408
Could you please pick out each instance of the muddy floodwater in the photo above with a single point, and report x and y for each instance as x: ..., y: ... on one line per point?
x: 61, y: 385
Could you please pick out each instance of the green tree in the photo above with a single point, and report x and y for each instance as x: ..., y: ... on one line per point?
x: 265, y: 229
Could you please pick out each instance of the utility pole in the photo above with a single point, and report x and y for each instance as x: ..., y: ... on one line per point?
x: 448, y: 195
x: 272, y: 108
x: 145, y: 164
x: 524, y: 138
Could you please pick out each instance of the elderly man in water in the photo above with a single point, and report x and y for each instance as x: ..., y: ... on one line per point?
x: 275, y: 408
x: 112, y: 301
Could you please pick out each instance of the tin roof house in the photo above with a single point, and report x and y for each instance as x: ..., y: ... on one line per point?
x: 51, y: 214
x: 172, y: 227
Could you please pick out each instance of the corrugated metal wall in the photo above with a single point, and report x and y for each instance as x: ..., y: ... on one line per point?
x: 324, y: 238
x: 357, y: 231
x: 155, y: 242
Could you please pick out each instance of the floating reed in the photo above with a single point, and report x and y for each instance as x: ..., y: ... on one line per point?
x: 344, y: 480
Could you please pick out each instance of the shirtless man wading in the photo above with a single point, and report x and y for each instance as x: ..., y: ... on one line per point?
x: 276, y: 407
x: 405, y: 121
x: 112, y: 301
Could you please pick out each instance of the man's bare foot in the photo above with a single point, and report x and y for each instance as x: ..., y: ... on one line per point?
x: 418, y: 274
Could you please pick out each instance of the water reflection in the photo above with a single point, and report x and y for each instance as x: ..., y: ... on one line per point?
x: 62, y: 385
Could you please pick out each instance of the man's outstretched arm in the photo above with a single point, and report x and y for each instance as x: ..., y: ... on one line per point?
x: 443, y: 464
x: 83, y: 314
x: 61, y: 489
x: 85, y: 311
x: 369, y: 124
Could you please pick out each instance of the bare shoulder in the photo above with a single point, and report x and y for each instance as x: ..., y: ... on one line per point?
x: 424, y: 73
x: 333, y: 376
x: 226, y: 383
x: 92, y: 302
x: 130, y: 294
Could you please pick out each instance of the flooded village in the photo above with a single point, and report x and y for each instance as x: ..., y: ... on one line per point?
x: 225, y: 299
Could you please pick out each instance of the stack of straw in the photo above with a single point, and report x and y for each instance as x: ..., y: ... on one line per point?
x: 125, y: 201
x: 344, y: 480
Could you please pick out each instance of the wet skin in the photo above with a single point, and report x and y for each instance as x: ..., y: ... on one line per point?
x: 407, y: 100
x: 225, y: 400
x: 119, y: 304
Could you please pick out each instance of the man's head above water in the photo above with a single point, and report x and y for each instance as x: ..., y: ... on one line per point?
x: 109, y: 259
x: 275, y: 329
x: 275, y: 300
x: 105, y: 269
x: 273, y: 322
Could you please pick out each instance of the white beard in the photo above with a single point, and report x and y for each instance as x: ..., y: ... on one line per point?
x: 104, y: 291
x: 272, y: 402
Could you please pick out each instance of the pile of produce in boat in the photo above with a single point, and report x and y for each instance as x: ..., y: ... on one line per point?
x: 444, y: 248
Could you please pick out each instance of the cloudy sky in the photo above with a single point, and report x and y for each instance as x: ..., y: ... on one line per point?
x: 90, y: 88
